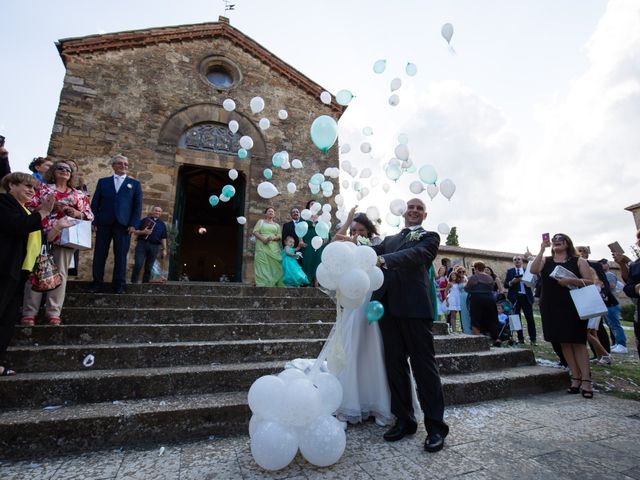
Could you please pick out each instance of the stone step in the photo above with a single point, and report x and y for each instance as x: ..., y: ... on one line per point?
x: 31, y: 432
x: 88, y: 386
x: 111, y: 316
x: 58, y: 358
x: 133, y: 301
x: 202, y: 288
x: 91, y: 334
x: 165, y: 333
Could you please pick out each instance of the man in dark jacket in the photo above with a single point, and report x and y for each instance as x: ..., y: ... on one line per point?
x: 521, y: 296
x: 405, y: 259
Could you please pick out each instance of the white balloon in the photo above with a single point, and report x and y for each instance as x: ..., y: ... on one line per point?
x: 301, y: 402
x: 416, y: 187
x: 330, y: 392
x: 229, y: 105
x: 325, y: 278
x: 246, y: 142
x: 264, y: 123
x: 365, y: 173
x: 326, y: 217
x: 345, y: 183
x: 274, y: 445
x: 323, y: 441
x: 256, y: 104
x: 396, y: 83
x: 337, y: 258
x: 325, y: 97
x: 447, y: 188
x: 359, y: 196
x: 373, y: 213
x: 385, y: 187
x: 447, y: 32
x: 365, y: 258
x: 267, y: 190
x: 241, y: 220
x: 347, y: 302
x: 392, y: 220
x: 354, y: 283
x: 432, y: 190
x: 394, y: 100
x: 291, y: 187
x: 233, y: 174
x: 367, y: 131
x: 234, y: 126
x: 254, y: 423
x: 316, y: 207
x: 339, y: 199
x: 402, y: 152
x: 364, y: 192
x: 305, y: 214
x: 296, y: 163
x: 224, y: 198
x: 346, y: 165
x: 365, y: 147
x: 265, y: 395
x: 326, y: 207
x: 316, y: 242
x: 353, y: 172
x: 375, y: 181
x: 398, y: 207
x: 444, y: 229
x: 315, y: 189
x: 285, y: 165
x: 376, y: 278
x: 290, y: 374
x: 283, y: 114
x: 346, y: 148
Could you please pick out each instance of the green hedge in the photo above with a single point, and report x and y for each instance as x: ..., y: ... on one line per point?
x: 628, y: 312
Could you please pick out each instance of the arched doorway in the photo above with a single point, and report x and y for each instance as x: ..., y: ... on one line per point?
x: 209, y: 238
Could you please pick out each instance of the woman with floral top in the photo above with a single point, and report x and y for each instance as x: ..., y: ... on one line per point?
x: 59, y: 181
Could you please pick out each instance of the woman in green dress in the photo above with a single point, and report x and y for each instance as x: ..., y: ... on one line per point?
x: 268, y: 259
x: 311, y: 257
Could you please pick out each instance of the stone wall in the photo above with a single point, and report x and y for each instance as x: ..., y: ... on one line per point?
x: 138, y: 101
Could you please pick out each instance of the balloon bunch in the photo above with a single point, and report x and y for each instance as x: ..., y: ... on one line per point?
x: 228, y: 191
x: 293, y: 411
x: 350, y: 270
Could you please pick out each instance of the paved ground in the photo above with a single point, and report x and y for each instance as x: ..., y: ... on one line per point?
x: 550, y: 436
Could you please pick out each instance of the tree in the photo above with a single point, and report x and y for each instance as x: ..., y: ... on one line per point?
x: 452, y: 238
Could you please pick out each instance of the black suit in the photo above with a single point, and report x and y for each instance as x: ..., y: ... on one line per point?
x: 521, y: 302
x: 289, y: 230
x: 406, y: 326
x: 15, y: 227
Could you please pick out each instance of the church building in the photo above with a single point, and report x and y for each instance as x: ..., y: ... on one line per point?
x: 156, y: 96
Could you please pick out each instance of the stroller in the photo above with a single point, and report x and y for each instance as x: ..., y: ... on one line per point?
x: 509, y: 323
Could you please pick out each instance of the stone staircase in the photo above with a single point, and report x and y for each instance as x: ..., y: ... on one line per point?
x: 175, y: 361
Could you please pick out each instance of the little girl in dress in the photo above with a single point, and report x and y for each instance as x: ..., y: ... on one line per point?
x: 294, y: 276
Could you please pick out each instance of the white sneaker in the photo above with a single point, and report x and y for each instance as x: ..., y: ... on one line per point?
x: 604, y: 360
x: 619, y: 349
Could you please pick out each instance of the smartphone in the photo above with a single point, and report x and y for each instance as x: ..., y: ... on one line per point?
x: 615, y: 248
x: 545, y: 237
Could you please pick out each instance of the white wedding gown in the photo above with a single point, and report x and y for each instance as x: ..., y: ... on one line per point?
x: 363, y: 376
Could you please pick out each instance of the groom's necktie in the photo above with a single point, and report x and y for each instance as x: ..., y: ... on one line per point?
x: 405, y: 231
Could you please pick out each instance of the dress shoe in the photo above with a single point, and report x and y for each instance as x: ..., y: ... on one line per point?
x: 399, y: 430
x: 119, y: 291
x: 434, y: 442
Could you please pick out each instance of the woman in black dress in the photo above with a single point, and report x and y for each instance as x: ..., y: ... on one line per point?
x: 560, y: 321
x: 482, y: 304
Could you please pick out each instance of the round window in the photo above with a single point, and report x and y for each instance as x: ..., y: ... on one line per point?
x: 219, y: 76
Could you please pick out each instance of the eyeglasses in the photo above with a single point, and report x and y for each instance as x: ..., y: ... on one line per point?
x: 64, y: 169
x: 558, y: 238
x: 123, y: 164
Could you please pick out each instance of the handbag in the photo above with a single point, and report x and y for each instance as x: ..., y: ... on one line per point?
x: 45, y: 276
x: 588, y: 302
x: 77, y: 236
x: 515, y: 324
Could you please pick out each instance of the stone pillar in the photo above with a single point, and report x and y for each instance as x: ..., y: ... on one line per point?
x: 635, y: 210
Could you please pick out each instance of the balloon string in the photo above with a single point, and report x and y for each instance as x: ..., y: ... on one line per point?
x: 451, y: 50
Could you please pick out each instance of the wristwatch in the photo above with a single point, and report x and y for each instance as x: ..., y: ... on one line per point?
x: 383, y: 264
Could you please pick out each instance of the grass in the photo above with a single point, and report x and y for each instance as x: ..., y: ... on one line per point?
x: 621, y: 378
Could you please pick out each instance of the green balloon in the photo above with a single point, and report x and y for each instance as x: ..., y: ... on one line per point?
x: 228, y: 191
x: 428, y: 174
x: 324, y: 132
x: 277, y: 159
x: 393, y: 172
x: 242, y: 154
x: 214, y: 200
x: 301, y: 229
x: 317, y: 179
x: 322, y: 229
x: 343, y: 97
x: 374, y: 311
x: 267, y: 173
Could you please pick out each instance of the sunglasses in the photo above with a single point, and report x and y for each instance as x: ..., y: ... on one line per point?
x: 64, y: 169
x: 558, y: 238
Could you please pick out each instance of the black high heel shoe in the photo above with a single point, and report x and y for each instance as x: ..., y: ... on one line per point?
x: 574, y: 390
x: 587, y: 393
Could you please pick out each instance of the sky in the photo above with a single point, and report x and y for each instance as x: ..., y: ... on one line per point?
x: 535, y: 118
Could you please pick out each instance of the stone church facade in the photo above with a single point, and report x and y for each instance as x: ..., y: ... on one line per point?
x: 156, y: 96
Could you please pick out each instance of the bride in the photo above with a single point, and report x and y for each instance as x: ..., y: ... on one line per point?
x: 363, y: 376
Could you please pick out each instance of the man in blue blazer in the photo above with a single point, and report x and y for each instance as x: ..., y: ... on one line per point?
x: 521, y: 297
x: 405, y: 259
x: 116, y: 204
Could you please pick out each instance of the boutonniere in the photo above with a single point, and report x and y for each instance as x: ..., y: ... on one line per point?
x: 416, y: 235
x: 129, y: 185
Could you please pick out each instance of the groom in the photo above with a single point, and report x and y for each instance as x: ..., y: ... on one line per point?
x: 406, y: 327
